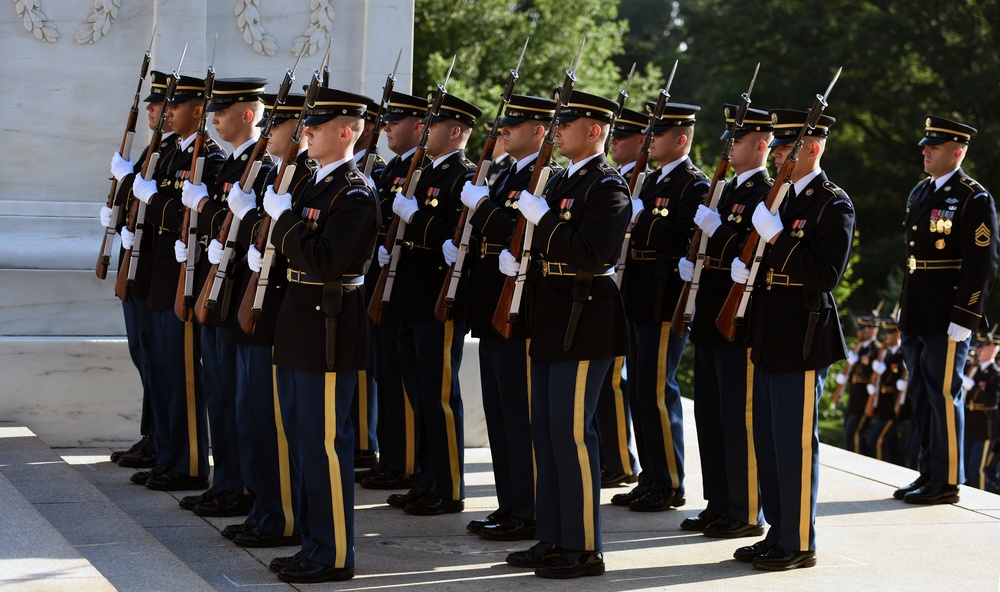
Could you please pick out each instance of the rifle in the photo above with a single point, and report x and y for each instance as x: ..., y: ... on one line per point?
x: 184, y: 297
x: 509, y: 305
x: 137, y: 212
x: 463, y: 230
x: 734, y: 309
x: 394, y: 237
x: 217, y: 274
x: 622, y: 97
x: 108, y: 241
x: 253, y: 299
x: 684, y: 310
x: 639, y: 172
x: 370, y: 151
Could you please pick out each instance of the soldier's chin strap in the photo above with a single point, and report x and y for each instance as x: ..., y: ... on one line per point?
x: 580, y: 293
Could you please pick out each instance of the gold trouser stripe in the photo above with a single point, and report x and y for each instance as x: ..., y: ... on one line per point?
x: 881, y: 438
x: 661, y: 404
x: 534, y: 460
x: 981, y: 473
x: 622, y: 428
x: 192, y: 410
x: 949, y: 413
x: 409, y: 435
x: 284, y: 466
x: 753, y: 499
x: 449, y: 416
x: 333, y: 463
x: 363, y: 442
x: 857, y: 433
x: 805, y: 499
x: 586, y: 480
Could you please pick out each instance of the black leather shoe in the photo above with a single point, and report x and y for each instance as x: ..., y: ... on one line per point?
x: 227, y: 504
x: 498, y: 516
x: 432, y: 505
x: 902, y: 491
x: 140, y: 477
x: 572, y: 564
x: 514, y: 529
x: 749, y: 553
x: 279, y: 563
x: 359, y: 475
x: 232, y: 530
x: 609, y: 480
x: 365, y: 459
x: 144, y: 458
x: 699, y: 522
x: 731, y: 528
x: 534, y: 556
x: 388, y: 479
x: 399, y: 500
x: 188, y: 502
x: 144, y: 442
x: 260, y: 538
x: 624, y: 499
x: 933, y: 494
x: 174, y: 481
x: 778, y: 559
x: 310, y: 572
x: 657, y: 500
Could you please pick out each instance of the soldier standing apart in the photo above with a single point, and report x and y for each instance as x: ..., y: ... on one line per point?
x: 503, y: 363
x: 810, y: 243
x: 887, y: 398
x: 327, y: 234
x: 651, y: 287
x: 951, y: 247
x: 723, y: 373
x: 578, y: 328
x: 982, y: 383
x: 856, y: 378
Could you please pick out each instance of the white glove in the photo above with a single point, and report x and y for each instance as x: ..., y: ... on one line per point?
x: 143, y: 189
x: 707, y: 219
x: 766, y: 223
x: 383, y: 256
x: 967, y: 382
x: 191, y: 194
x: 106, y: 215
x: 450, y: 251
x: 739, y: 272
x: 878, y: 366
x: 871, y: 388
x: 254, y: 259
x: 404, y: 207
x: 473, y: 194
x: 180, y: 251
x: 686, y: 269
x: 852, y: 357
x: 128, y: 238
x: 215, y: 252
x: 276, y: 204
x: 841, y: 379
x: 901, y: 385
x: 531, y: 206
x: 240, y: 203
x: 508, y: 264
x: 958, y: 332
x: 121, y: 168
x: 636, y: 208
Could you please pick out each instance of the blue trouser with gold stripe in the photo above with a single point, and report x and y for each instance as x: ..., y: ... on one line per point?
x: 218, y: 356
x: 176, y: 373
x: 613, y: 422
x: 935, y: 363
x: 397, y: 437
x: 265, y: 457
x: 430, y: 354
x: 786, y: 436
x: 364, y: 410
x: 654, y: 353
x: 316, y: 409
x: 567, y: 505
x: 137, y: 320
x: 855, y: 431
x: 503, y: 368
x: 723, y: 412
x: 977, y: 454
x: 883, y: 441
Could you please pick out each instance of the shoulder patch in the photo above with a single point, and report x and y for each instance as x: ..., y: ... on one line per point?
x: 358, y: 191
x: 842, y: 201
x: 607, y: 179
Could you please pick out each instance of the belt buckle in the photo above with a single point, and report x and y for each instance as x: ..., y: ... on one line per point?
x: 545, y: 269
x: 769, y: 278
x: 911, y: 263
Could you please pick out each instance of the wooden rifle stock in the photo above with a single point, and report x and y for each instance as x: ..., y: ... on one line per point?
x: 189, y: 236
x: 123, y: 283
x: 108, y: 240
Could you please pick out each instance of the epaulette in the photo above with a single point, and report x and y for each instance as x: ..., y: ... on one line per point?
x: 972, y: 184
x: 695, y: 172
x: 769, y: 181
x: 355, y: 179
x: 468, y: 164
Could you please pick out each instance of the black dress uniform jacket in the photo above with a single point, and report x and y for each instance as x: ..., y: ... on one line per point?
x: 389, y: 183
x: 861, y: 376
x: 956, y: 224
x: 584, y: 229
x: 888, y: 394
x: 735, y: 208
x: 421, y: 268
x: 822, y: 222
x: 328, y: 235
x: 660, y: 237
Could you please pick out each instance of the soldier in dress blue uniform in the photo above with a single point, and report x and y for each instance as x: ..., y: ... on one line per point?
x: 951, y: 249
x: 651, y: 287
x: 175, y: 344
x: 396, y: 423
x: 578, y: 328
x: 886, y: 397
x: 430, y: 352
x: 809, y: 246
x: 855, y: 378
x: 503, y: 363
x: 142, y: 454
x: 723, y: 375
x: 982, y: 385
x: 327, y: 234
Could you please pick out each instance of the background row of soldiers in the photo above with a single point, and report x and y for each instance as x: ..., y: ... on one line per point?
x: 285, y: 449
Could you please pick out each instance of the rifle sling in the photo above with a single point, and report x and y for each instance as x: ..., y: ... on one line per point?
x: 580, y: 292
x: 333, y: 301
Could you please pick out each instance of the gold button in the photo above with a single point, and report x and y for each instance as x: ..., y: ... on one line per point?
x: 317, y: 308
x: 914, y: 227
x: 911, y: 243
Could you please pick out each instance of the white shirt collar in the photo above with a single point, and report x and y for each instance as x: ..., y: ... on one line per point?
x: 670, y: 166
x: 166, y: 135
x: 324, y: 171
x: 625, y: 168
x: 940, y: 181
x: 742, y: 177
x: 804, y: 182
x: 575, y: 166
x: 441, y: 159
x: 244, y: 146
x: 527, y: 160
x: 408, y: 153
x: 188, y: 141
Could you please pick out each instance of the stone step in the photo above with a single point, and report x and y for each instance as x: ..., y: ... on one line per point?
x: 125, y: 554
x: 39, y: 242
x: 45, y: 302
